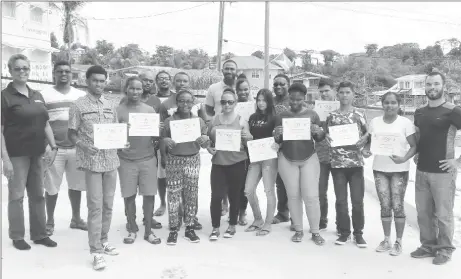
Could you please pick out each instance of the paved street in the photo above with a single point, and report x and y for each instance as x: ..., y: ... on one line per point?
x: 244, y: 256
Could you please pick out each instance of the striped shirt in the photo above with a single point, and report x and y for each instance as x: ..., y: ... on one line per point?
x: 58, y: 105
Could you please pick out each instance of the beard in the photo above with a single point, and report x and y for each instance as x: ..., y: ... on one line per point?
x: 229, y: 79
x: 434, y: 94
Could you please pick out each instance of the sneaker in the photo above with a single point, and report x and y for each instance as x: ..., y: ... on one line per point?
x: 298, y: 236
x: 421, y: 253
x: 47, y: 242
x: 323, y: 227
x: 130, y: 238
x: 384, y: 246
x: 172, y: 238
x: 109, y: 250
x: 98, y: 262
x: 21, y: 245
x: 79, y: 225
x: 396, y: 249
x: 191, y: 236
x: 338, y: 232
x: 343, y: 239
x: 360, y: 242
x: 214, y: 235
x: 196, y: 226
x: 441, y: 259
x: 229, y: 233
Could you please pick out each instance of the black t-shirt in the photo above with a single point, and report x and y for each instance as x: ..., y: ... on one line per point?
x: 437, y: 128
x: 261, y: 125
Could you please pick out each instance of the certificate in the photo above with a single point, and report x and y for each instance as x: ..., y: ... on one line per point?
x: 261, y: 149
x: 458, y: 139
x: 245, y: 109
x: 228, y: 140
x: 343, y: 135
x: 110, y: 136
x: 144, y: 124
x: 185, y: 130
x: 296, y: 128
x: 323, y: 108
x: 386, y: 144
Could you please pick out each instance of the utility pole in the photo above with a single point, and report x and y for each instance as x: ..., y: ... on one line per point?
x: 220, y: 34
x: 266, y: 47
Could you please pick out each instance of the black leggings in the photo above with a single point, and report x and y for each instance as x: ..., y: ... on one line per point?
x: 226, y: 180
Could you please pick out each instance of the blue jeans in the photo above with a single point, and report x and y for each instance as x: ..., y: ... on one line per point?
x: 267, y: 170
x: 342, y: 177
x: 435, y: 197
x: 325, y: 169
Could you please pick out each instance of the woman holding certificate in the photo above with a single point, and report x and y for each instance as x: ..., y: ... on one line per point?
x: 392, y: 134
x: 298, y: 163
x: 261, y: 124
x: 228, y: 132
x: 183, y: 135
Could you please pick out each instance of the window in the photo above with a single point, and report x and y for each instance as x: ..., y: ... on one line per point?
x: 314, y: 82
x: 9, y: 9
x: 407, y: 84
x: 418, y: 84
x: 255, y: 74
x: 36, y: 14
x: 401, y: 85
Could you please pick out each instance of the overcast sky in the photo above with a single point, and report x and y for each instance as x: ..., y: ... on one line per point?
x: 341, y: 26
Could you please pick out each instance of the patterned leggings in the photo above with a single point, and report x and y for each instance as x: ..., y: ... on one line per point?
x: 182, y: 174
x: 391, y: 187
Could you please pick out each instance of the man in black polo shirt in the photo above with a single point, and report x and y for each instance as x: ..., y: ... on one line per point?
x: 436, y: 172
x: 25, y: 128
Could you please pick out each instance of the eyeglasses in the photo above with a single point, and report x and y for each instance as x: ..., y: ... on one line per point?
x: 187, y: 102
x: 25, y: 69
x: 278, y: 83
x: 63, y: 72
x: 228, y: 102
x: 163, y: 78
x: 148, y: 80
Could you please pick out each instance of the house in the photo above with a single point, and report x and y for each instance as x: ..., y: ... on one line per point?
x: 26, y: 30
x: 311, y: 81
x: 79, y: 74
x: 253, y: 68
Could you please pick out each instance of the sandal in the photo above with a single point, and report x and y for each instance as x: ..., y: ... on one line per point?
x: 263, y: 232
x: 154, y: 225
x: 252, y: 228
x: 152, y: 239
x: 318, y: 239
x: 130, y: 238
x: 298, y: 236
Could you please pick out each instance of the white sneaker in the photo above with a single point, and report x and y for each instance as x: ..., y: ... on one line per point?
x: 109, y: 250
x: 98, y: 262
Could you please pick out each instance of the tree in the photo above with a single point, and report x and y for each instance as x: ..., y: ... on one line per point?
x: 290, y: 54
x: 228, y: 55
x: 103, y: 47
x: 258, y: 54
x: 164, y: 56
x: 54, y: 40
x: 329, y: 56
x: 127, y: 56
x: 371, y: 49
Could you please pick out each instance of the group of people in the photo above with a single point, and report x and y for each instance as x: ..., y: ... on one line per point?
x: 51, y: 133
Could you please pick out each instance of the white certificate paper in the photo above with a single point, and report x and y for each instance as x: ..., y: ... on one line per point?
x: 110, y: 136
x: 296, y: 128
x: 185, y: 130
x: 144, y: 124
x: 386, y: 144
x: 323, y: 108
x: 245, y: 109
x: 228, y: 140
x: 343, y: 135
x: 261, y: 149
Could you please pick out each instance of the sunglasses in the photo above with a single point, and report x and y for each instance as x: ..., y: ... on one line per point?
x: 25, y: 69
x: 277, y: 84
x: 228, y: 102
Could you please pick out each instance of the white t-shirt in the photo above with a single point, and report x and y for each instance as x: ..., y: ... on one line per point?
x: 213, y: 96
x: 402, y: 126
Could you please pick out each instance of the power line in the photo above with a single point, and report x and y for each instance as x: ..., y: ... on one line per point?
x: 154, y: 15
x: 384, y: 15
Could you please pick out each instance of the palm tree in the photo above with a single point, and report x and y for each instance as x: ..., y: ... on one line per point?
x: 69, y: 19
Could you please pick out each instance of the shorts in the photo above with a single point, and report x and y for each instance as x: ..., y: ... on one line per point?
x: 134, y: 174
x: 65, y: 162
x: 161, y: 173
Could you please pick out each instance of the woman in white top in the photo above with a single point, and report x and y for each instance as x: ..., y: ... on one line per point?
x: 391, y: 172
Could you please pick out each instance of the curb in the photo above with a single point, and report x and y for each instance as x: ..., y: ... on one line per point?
x: 410, y: 210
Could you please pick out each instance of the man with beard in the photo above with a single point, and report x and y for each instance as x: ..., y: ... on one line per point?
x: 436, y: 172
x: 58, y: 100
x: 213, y: 101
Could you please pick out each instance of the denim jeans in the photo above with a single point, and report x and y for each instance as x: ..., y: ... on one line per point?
x: 267, y: 170
x: 100, y: 190
x: 325, y: 169
x: 28, y: 175
x: 302, y: 184
x: 282, y: 198
x: 435, y: 196
x: 342, y: 177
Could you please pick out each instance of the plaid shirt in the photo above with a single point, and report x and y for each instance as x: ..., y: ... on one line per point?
x: 83, y: 113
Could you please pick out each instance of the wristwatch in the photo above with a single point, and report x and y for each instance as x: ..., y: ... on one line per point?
x: 54, y: 148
